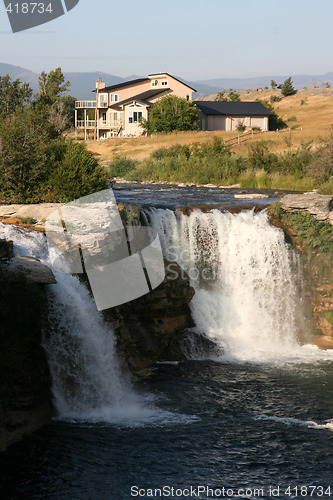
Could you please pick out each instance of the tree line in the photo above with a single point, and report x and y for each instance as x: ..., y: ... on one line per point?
x: 36, y: 163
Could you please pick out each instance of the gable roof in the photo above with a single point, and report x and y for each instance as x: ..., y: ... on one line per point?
x: 233, y: 108
x: 140, y: 80
x: 171, y: 76
x: 143, y: 97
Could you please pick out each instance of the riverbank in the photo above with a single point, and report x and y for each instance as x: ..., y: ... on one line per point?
x: 301, y: 169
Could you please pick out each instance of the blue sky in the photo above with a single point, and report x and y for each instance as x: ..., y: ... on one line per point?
x: 192, y: 39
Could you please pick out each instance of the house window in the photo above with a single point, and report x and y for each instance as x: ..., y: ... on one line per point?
x: 114, y: 97
x: 104, y: 118
x: 164, y: 83
x: 103, y: 100
x: 154, y: 83
x: 113, y: 117
x: 187, y: 97
x: 134, y: 116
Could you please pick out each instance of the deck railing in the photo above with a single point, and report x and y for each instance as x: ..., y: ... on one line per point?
x: 105, y: 124
x: 85, y: 104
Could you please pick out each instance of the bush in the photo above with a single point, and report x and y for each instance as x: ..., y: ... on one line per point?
x: 241, y: 127
x: 171, y: 113
x: 120, y: 166
x: 79, y: 174
x: 174, y: 151
x: 275, y: 98
x: 321, y: 165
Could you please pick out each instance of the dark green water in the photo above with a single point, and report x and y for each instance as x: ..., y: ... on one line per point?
x: 251, y: 431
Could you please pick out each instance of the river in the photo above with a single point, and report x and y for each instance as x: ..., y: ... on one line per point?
x: 254, y: 420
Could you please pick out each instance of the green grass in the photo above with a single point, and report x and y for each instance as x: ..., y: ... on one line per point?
x: 215, y: 163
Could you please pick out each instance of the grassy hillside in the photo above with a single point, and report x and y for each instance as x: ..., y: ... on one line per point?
x: 308, y: 114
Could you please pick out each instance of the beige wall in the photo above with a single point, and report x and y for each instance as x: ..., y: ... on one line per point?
x: 229, y: 124
x: 134, y: 128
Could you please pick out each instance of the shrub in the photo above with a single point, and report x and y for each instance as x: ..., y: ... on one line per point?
x: 321, y: 165
x: 275, y: 98
x: 120, y: 166
x: 79, y: 174
x: 241, y: 127
x: 171, y: 113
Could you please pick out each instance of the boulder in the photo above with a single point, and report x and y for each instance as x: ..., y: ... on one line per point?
x: 318, y: 205
x: 33, y: 269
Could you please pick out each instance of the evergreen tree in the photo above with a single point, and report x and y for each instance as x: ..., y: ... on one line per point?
x: 14, y: 95
x: 287, y: 87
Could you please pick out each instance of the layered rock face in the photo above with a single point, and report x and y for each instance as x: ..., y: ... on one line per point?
x: 147, y: 328
x: 318, y: 205
x: 25, y: 398
x: 318, y: 268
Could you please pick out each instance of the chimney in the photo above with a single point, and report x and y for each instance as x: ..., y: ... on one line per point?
x: 100, y: 85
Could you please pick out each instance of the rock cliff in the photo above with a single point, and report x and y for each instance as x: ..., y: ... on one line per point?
x: 147, y: 328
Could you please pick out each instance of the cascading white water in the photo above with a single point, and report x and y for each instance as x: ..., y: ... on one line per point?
x: 87, y: 381
x: 244, y: 275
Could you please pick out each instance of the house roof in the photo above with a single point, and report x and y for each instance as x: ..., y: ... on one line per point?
x: 171, y: 76
x: 123, y: 84
x: 139, y: 80
x: 233, y: 108
x: 143, y: 97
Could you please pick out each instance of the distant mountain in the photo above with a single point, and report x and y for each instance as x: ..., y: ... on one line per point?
x: 25, y: 75
x: 262, y: 81
x: 83, y: 83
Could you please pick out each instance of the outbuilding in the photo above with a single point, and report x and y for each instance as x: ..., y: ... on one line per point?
x: 225, y: 115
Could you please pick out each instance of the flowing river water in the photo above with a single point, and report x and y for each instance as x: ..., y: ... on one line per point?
x: 253, y: 421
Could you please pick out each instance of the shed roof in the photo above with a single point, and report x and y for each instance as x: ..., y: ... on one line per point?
x: 233, y: 108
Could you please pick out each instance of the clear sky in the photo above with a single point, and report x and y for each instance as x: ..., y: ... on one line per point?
x: 194, y: 39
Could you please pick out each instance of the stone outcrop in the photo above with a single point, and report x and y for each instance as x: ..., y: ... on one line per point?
x: 25, y: 396
x: 318, y: 205
x: 33, y: 269
x: 147, y: 327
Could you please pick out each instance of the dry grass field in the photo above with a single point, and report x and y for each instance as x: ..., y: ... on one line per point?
x: 308, y: 114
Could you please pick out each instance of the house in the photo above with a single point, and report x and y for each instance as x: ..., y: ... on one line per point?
x: 223, y: 115
x: 120, y: 107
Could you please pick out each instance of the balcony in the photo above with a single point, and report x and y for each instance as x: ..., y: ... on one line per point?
x: 85, y: 104
x: 102, y: 124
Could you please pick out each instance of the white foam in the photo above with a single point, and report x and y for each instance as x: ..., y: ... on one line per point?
x: 294, y: 421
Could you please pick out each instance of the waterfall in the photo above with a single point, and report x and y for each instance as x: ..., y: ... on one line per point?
x: 246, y: 279
x: 88, y: 383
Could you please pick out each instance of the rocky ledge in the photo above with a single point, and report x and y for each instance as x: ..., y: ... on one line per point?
x: 318, y: 205
x: 148, y: 328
